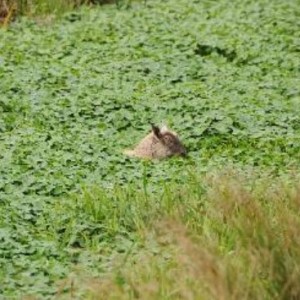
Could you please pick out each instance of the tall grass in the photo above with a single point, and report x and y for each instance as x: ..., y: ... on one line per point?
x: 12, y: 8
x: 228, y: 239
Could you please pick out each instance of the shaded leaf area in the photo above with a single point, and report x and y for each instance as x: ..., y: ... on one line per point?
x: 74, y: 95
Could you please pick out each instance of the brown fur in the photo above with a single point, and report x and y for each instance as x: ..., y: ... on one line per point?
x: 159, y: 143
x: 3, y: 10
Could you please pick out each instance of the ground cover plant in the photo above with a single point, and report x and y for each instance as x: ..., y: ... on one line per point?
x: 74, y: 94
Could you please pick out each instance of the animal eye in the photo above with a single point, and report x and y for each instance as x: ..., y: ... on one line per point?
x: 171, y: 141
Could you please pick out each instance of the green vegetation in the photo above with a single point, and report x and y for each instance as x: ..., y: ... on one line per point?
x: 48, y: 9
x: 10, y: 9
x: 215, y: 240
x: 79, y: 218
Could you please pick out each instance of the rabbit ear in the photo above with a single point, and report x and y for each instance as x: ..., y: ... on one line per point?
x: 156, y: 131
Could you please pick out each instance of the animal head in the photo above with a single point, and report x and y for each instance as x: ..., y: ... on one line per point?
x: 160, y: 143
x: 169, y: 139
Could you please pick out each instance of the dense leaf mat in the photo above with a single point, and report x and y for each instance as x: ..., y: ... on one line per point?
x: 224, y: 74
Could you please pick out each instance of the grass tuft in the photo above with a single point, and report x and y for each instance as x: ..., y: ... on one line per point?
x: 234, y: 240
x: 10, y: 9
